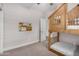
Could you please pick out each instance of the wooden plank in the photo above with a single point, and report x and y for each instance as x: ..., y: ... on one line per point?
x: 49, y: 40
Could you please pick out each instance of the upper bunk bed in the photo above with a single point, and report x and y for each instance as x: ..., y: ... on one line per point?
x: 62, y: 20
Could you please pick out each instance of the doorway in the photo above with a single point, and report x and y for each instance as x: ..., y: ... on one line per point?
x: 43, y: 29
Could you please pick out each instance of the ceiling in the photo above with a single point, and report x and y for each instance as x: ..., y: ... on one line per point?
x: 45, y: 8
x: 27, y: 5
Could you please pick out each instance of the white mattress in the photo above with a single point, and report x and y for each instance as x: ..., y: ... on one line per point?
x: 72, y: 27
x: 65, y: 48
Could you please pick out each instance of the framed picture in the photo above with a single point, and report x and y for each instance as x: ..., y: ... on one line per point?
x: 25, y: 26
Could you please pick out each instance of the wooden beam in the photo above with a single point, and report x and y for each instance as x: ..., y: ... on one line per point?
x: 56, y: 52
x: 49, y: 40
x: 58, y: 36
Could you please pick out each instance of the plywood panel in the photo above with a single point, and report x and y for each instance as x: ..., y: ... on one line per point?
x: 57, y: 19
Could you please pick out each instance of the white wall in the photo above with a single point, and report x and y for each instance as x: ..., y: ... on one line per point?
x: 1, y: 28
x: 71, y: 6
x: 14, y: 14
x: 70, y: 38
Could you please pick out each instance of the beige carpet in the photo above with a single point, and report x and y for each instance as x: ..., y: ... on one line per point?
x: 37, y: 49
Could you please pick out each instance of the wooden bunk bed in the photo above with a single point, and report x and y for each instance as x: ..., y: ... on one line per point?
x: 59, y: 21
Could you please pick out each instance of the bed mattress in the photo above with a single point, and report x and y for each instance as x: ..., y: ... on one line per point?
x: 65, y: 48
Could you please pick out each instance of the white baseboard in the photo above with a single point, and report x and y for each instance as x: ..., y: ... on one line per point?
x: 17, y: 46
x: 1, y: 51
x: 43, y: 40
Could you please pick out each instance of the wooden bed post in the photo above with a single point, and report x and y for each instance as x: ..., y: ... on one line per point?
x: 49, y: 40
x: 58, y: 37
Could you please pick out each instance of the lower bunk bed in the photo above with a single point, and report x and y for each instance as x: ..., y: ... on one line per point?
x: 63, y: 48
